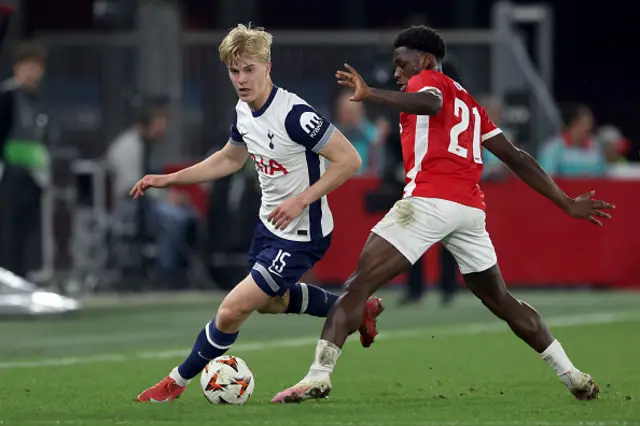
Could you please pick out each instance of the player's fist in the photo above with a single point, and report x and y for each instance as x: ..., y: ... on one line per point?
x: 282, y: 216
x: 149, y: 181
x: 585, y: 207
x: 355, y: 81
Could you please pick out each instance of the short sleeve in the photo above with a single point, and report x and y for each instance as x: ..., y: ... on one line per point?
x: 488, y: 128
x: 426, y: 81
x: 236, y: 137
x: 307, y: 127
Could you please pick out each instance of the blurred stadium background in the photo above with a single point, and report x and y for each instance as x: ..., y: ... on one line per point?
x: 114, y: 64
x: 118, y: 71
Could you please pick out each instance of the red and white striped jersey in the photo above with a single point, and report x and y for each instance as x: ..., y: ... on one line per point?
x: 443, y: 154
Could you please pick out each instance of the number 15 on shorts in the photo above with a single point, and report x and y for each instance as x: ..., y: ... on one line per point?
x: 279, y: 263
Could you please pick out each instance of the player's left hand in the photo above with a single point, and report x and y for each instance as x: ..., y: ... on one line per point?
x: 585, y: 207
x: 282, y: 216
x: 354, y: 80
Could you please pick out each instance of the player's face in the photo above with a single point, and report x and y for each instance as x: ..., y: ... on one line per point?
x: 408, y: 62
x: 584, y: 125
x: 250, y: 78
x: 158, y: 126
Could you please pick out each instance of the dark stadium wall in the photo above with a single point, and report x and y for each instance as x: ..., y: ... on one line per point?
x: 592, y: 44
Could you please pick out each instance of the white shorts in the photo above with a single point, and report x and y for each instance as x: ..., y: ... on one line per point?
x: 414, y: 224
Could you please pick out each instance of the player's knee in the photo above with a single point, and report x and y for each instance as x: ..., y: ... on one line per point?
x: 363, y: 280
x: 527, y: 317
x: 231, y: 316
x: 497, y: 302
x: 356, y: 288
x: 514, y: 311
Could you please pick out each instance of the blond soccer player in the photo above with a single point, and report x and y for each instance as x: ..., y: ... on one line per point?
x: 286, y: 138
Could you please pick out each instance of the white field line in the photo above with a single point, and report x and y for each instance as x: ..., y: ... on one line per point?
x: 463, y: 329
x: 254, y: 422
x: 163, y: 334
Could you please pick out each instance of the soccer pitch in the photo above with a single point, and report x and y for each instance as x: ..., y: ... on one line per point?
x: 431, y: 366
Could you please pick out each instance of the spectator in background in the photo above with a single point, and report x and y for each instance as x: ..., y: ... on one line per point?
x: 24, y: 157
x: 614, y: 145
x: 574, y: 152
x: 168, y: 213
x: 367, y: 138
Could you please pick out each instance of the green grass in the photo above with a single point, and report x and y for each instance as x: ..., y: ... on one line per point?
x: 455, y: 366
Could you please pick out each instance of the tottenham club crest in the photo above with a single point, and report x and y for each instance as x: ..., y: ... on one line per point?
x: 270, y: 136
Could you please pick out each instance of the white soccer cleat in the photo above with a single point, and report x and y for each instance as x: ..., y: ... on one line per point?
x: 580, y: 384
x: 303, y: 391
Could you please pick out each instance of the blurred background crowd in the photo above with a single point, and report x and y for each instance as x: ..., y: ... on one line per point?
x: 98, y: 93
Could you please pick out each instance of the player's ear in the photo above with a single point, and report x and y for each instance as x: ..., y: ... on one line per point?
x: 429, y: 62
x: 268, y: 68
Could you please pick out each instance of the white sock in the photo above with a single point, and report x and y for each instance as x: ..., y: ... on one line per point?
x: 180, y: 381
x: 557, y: 359
x: 324, y: 361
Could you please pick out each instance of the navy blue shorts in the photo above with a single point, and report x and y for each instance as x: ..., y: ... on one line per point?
x: 277, y: 264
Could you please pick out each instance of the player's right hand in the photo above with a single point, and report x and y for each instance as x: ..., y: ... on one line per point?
x: 354, y: 80
x: 585, y: 207
x: 149, y: 181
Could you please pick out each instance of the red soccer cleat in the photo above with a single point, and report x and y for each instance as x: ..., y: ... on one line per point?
x: 165, y: 391
x: 368, y: 331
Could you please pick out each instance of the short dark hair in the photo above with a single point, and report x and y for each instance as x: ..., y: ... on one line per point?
x: 571, y: 111
x: 149, y: 108
x: 422, y: 38
x: 30, y: 51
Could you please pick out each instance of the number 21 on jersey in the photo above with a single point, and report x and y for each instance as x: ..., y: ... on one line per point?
x: 461, y: 110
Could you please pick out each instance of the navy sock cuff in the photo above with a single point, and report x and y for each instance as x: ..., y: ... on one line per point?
x: 217, y: 338
x: 295, y: 299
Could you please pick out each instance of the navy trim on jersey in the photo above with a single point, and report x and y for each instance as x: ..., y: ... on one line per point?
x: 308, y: 128
x: 266, y: 105
x: 315, y: 209
x: 236, y: 136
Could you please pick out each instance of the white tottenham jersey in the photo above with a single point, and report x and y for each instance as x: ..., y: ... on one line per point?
x: 284, y: 138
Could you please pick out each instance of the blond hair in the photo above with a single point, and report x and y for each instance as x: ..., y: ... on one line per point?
x: 255, y: 42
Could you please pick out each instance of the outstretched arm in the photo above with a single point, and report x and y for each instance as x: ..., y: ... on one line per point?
x: 528, y: 169
x: 228, y: 160
x: 225, y: 162
x: 426, y: 101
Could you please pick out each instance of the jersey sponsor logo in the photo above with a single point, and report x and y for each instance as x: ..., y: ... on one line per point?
x: 268, y: 166
x: 311, y: 123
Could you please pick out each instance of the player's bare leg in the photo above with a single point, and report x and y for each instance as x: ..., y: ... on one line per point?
x: 368, y: 322
x: 526, y: 323
x: 220, y: 334
x: 379, y: 262
x: 214, y: 340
